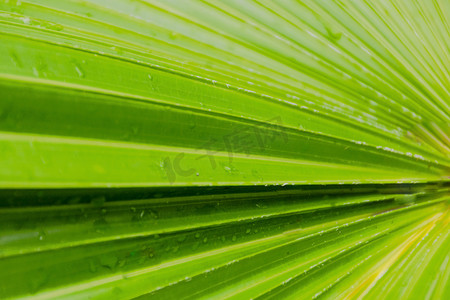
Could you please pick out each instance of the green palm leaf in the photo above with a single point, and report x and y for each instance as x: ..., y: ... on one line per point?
x: 225, y: 149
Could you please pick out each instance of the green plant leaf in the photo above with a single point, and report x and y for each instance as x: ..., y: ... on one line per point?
x: 224, y: 149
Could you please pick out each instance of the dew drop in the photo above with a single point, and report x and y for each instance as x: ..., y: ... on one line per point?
x: 41, y: 235
x: 79, y: 70
x: 15, y: 59
x: 26, y: 20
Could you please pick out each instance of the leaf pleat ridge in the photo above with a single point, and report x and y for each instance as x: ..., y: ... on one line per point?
x: 291, y: 149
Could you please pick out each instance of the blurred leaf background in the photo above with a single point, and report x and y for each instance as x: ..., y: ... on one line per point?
x: 283, y: 149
